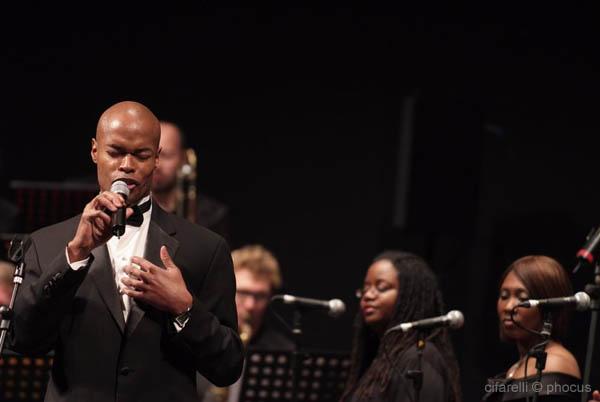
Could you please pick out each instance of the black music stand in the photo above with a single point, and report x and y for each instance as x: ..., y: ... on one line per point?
x: 23, y: 378
x: 45, y: 203
x: 268, y: 376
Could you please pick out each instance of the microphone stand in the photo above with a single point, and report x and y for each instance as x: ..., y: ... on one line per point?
x: 539, y: 351
x: 417, y: 375
x: 17, y: 255
x: 295, y: 361
x: 592, y: 289
x: 298, y: 353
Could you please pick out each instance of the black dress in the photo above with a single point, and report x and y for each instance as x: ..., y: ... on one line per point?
x: 436, y: 383
x: 553, y: 387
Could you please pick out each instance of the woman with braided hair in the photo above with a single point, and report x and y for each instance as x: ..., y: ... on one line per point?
x: 400, y: 287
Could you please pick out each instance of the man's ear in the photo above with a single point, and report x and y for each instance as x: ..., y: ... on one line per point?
x: 157, y: 158
x: 94, y: 151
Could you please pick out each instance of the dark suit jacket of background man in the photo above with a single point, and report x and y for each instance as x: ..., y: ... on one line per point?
x: 99, y: 357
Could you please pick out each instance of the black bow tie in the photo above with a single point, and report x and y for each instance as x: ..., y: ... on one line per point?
x: 137, y: 217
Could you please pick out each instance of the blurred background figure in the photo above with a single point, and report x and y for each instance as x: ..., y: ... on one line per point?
x: 257, y: 277
x: 7, y: 271
x: 174, y: 183
x: 400, y: 287
x: 535, y: 277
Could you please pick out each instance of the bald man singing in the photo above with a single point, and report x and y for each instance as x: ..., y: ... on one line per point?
x: 130, y: 318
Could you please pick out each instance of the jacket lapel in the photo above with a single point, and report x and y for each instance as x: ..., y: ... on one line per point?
x: 102, y: 272
x: 160, y: 233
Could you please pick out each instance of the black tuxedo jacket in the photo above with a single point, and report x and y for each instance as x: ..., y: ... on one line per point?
x: 99, y: 357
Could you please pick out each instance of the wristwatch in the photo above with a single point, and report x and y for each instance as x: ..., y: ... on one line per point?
x: 183, y: 318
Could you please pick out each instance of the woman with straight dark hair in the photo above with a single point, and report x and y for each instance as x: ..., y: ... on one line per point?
x: 400, y: 287
x: 534, y: 277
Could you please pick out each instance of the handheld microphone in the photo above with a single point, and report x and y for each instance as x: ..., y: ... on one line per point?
x: 581, y: 300
x: 118, y: 219
x: 585, y: 255
x: 334, y: 307
x: 454, y: 319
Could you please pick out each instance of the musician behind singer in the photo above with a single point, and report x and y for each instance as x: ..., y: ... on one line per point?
x: 169, y: 178
x: 257, y: 278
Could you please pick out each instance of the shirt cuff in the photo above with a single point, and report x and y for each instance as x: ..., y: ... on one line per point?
x: 77, y: 264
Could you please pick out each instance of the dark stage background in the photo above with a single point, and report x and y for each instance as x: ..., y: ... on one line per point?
x: 468, y: 137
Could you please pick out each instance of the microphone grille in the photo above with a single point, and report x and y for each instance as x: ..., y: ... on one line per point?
x: 288, y: 299
x: 456, y: 319
x: 120, y: 187
x: 582, y: 301
x: 336, y: 307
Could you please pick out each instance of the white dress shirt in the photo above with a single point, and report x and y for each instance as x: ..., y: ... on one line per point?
x: 120, y: 251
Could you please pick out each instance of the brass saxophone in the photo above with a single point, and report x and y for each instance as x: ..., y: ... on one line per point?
x: 246, y: 332
x: 186, y: 187
x: 221, y: 394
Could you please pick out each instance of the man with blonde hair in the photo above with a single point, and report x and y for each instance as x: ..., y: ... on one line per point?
x: 257, y: 278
